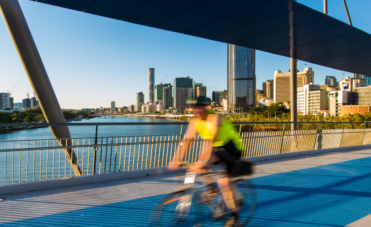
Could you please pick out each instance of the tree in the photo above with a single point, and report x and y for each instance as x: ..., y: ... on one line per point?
x: 5, y: 117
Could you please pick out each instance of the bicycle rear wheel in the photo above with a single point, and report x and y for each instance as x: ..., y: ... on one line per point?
x: 245, y: 201
x: 179, y: 209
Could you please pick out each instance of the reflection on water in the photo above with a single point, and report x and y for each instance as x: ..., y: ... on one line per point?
x: 42, y: 164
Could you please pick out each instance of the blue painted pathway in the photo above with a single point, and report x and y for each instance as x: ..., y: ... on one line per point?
x: 330, y: 195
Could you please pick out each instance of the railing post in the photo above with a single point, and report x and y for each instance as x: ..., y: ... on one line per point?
x: 318, y: 140
x: 364, y: 132
x: 95, y: 150
x: 342, y: 134
x: 181, y: 132
x: 240, y: 129
x: 283, y: 136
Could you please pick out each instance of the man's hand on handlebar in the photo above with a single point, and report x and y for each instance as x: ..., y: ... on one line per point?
x: 197, y: 167
x: 174, y: 165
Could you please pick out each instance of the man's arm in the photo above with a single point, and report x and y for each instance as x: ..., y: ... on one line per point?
x: 183, y: 146
x: 206, y: 153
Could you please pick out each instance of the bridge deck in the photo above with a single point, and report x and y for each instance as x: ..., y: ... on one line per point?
x: 332, y: 189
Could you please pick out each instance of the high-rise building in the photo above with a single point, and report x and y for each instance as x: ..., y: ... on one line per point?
x: 131, y: 108
x: 194, y: 90
x: 11, y: 101
x: 113, y: 106
x: 181, y: 94
x: 222, y: 94
x: 281, y: 87
x: 361, y: 96
x: 269, y: 89
x: 140, y: 101
x: 336, y: 99
x: 26, y: 103
x: 167, y: 97
x: 259, y: 94
x: 215, y: 97
x: 368, y: 79
x: 182, y: 91
x: 201, y: 91
x: 331, y: 81
x: 151, y: 85
x: 241, y: 78
x: 265, y: 88
x: 311, y: 99
x: 4, y: 101
x: 34, y: 102
x: 158, y: 91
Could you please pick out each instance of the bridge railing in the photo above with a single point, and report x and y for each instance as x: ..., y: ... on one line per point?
x: 23, y: 161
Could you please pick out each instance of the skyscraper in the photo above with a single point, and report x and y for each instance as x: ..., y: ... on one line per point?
x: 331, y: 81
x: 269, y: 89
x: 182, y: 91
x: 151, y: 85
x: 167, y: 96
x: 26, y: 103
x: 222, y: 94
x: 281, y: 87
x: 140, y: 101
x: 158, y: 91
x: 113, y: 106
x: 215, y: 97
x: 194, y: 90
x: 201, y: 91
x: 34, y: 102
x: 241, y: 78
x: 4, y: 101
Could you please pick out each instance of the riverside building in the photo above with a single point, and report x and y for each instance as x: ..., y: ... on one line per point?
x: 167, y: 97
x: 311, y: 99
x: 201, y: 91
x: 182, y: 91
x: 140, y: 101
x: 281, y: 87
x: 240, y: 78
x: 4, y: 101
x: 113, y: 106
x: 151, y: 85
x: 215, y: 97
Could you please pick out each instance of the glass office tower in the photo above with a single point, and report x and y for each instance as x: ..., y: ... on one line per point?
x: 241, y: 78
x: 151, y: 85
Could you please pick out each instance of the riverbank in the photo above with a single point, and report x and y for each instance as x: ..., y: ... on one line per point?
x: 17, y: 128
x: 171, y: 117
x: 88, y: 131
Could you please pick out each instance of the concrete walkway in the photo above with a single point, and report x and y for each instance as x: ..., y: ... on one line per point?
x: 331, y: 189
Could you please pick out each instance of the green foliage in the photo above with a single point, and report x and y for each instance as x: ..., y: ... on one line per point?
x: 5, y: 117
x: 30, y: 116
x: 69, y: 114
x: 331, y: 122
x: 183, y: 118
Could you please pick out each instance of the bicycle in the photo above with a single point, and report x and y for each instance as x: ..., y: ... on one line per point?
x: 186, y: 207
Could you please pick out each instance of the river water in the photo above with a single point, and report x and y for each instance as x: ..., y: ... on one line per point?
x: 120, y: 148
x: 103, y: 131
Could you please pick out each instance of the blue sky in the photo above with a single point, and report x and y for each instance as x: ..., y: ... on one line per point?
x: 92, y: 60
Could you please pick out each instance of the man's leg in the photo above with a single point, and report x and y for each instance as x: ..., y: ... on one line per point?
x: 226, y: 189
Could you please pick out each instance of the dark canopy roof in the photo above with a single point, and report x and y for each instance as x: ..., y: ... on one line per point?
x: 260, y: 24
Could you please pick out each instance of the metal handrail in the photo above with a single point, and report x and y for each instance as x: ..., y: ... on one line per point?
x: 170, y: 123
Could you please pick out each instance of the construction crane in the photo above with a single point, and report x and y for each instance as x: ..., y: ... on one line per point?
x: 10, y: 93
x: 165, y: 78
x: 28, y: 93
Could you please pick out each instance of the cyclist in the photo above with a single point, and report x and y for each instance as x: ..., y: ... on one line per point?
x: 222, y: 149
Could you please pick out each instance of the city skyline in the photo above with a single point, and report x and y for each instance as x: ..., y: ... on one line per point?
x: 122, y: 54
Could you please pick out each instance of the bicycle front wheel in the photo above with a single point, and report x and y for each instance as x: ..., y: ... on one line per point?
x: 245, y: 201
x: 179, y: 209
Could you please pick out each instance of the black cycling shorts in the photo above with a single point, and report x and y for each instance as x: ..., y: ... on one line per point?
x: 228, y: 154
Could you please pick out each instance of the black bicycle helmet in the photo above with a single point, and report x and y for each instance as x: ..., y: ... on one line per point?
x: 200, y: 101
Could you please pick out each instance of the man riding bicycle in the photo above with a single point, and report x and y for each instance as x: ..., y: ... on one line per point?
x: 222, y: 149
